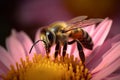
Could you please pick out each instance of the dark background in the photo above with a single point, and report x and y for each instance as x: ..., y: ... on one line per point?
x: 29, y: 15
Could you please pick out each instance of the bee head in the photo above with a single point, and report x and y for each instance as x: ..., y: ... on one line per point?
x: 48, y: 37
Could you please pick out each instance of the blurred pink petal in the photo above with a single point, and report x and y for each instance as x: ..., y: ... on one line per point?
x: 109, y: 58
x: 3, y: 69
x: 25, y: 41
x: 103, y: 51
x: 18, y: 44
x: 109, y: 43
x: 113, y: 77
x: 4, y: 64
x: 107, y: 70
x: 6, y: 58
x: 5, y: 61
x: 101, y: 32
x: 15, y: 48
x: 90, y: 29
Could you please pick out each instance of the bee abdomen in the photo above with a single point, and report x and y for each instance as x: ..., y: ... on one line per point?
x: 83, y: 37
x: 86, y: 40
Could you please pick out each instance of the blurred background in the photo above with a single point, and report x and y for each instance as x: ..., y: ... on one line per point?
x: 29, y: 15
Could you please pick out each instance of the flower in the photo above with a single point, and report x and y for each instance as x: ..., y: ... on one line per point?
x: 103, y: 59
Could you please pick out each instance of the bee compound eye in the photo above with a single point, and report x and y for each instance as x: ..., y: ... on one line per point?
x: 50, y: 36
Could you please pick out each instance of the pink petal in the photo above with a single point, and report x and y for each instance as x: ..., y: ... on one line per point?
x: 113, y: 77
x: 115, y: 39
x: 101, y: 32
x: 3, y: 68
x: 108, y: 59
x: 99, y: 36
x: 5, y: 61
x: 15, y: 48
x: 26, y: 43
x: 71, y: 49
x: 109, y: 43
x: 90, y: 29
x: 6, y: 58
x: 102, y: 51
x: 52, y: 51
x: 76, y: 53
x: 102, y: 74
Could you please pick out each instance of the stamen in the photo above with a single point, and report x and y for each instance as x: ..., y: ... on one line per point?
x: 43, y: 68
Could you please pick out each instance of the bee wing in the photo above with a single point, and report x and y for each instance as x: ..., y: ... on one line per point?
x: 76, y: 19
x: 84, y: 23
x: 88, y: 22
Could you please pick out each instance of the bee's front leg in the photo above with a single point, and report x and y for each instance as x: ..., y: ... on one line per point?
x: 64, y: 49
x: 47, y: 51
x: 57, y: 49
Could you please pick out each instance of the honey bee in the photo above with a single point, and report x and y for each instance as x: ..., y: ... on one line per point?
x: 59, y: 34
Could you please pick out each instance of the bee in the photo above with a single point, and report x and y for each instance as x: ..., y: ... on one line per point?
x: 59, y: 34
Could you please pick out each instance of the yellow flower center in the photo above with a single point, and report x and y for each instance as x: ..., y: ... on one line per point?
x: 43, y: 68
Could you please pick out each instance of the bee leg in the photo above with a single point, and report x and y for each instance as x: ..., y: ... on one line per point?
x: 47, y: 52
x: 57, y: 49
x: 80, y: 49
x: 64, y: 49
x: 81, y: 53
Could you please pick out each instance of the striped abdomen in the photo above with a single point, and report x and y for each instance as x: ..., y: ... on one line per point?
x: 82, y: 36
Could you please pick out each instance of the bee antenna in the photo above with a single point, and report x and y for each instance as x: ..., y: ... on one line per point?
x: 35, y: 44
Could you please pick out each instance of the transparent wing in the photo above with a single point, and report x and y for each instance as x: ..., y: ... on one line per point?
x: 88, y: 22
x: 82, y: 23
x: 76, y: 19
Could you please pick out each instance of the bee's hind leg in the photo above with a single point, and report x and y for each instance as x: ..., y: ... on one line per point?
x: 81, y: 53
x: 80, y: 49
